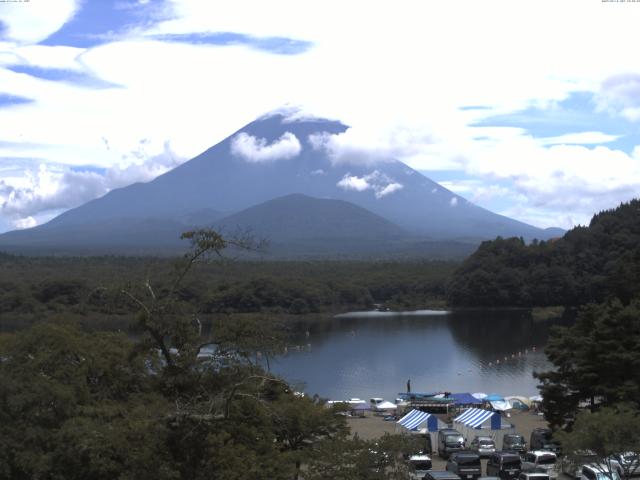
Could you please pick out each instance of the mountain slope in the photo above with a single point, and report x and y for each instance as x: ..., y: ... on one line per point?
x: 299, y: 217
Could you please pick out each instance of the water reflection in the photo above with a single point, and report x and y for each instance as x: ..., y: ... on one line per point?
x: 374, y: 355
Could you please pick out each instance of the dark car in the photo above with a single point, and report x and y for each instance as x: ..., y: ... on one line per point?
x: 506, y: 465
x: 420, y: 464
x: 541, y: 440
x: 514, y: 442
x: 465, y: 464
x: 449, y: 441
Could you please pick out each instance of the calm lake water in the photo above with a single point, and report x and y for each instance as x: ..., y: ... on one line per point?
x: 372, y: 354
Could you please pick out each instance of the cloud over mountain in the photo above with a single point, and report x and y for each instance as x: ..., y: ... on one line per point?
x: 380, y: 183
x: 256, y: 150
x: 52, y: 187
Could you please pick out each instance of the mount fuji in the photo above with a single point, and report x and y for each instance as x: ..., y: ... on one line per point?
x: 272, y: 157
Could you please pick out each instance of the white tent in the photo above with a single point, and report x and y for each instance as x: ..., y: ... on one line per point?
x: 501, y: 405
x: 385, y: 406
x: 419, y: 422
x: 476, y: 421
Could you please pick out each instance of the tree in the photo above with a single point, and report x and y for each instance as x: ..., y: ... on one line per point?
x: 382, y: 459
x: 170, y: 405
x: 596, y: 360
x: 604, y: 434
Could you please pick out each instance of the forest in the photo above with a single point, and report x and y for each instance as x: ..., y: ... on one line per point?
x: 80, y: 403
x: 87, y: 288
x: 589, y: 264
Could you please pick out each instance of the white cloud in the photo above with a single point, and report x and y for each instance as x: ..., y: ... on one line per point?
x: 580, y: 138
x: 51, y: 187
x: 349, y: 182
x: 620, y: 94
x: 23, y: 223
x: 256, y: 150
x: 33, y: 21
x: 371, y: 143
x: 454, y: 201
x: 398, y: 108
x: 380, y: 183
x: 392, y: 187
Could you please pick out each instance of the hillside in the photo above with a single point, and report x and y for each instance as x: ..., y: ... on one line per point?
x: 297, y: 216
x: 587, y: 265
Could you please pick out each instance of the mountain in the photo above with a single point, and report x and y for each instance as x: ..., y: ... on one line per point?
x: 269, y: 158
x: 300, y: 217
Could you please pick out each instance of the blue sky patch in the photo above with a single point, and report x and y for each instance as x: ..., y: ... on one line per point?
x: 278, y: 45
x: 8, y: 100
x: 474, y: 107
x: 102, y: 21
x: 89, y: 168
x: 575, y: 114
x: 62, y: 75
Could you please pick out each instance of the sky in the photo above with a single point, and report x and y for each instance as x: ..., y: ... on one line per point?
x: 530, y: 108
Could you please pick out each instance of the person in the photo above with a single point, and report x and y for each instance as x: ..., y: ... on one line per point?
x: 409, y: 386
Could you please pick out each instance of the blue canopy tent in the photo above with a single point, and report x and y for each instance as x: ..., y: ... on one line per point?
x: 477, y: 421
x: 465, y: 399
x: 494, y: 397
x: 417, y: 421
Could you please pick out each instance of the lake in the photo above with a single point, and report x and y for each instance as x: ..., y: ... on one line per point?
x: 373, y: 354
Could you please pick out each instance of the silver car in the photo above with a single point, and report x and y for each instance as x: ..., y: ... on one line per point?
x: 485, y: 446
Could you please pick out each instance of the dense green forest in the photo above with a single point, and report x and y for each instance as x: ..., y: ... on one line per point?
x: 102, y: 405
x: 589, y: 264
x: 89, y: 288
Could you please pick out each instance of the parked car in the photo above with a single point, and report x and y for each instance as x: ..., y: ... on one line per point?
x: 420, y: 464
x: 506, y: 465
x: 541, y: 461
x: 514, y: 442
x: 449, y: 441
x: 629, y: 462
x: 571, y: 465
x: 541, y: 440
x: 533, y: 476
x: 599, y: 471
x: 440, y: 475
x: 485, y: 446
x: 466, y: 464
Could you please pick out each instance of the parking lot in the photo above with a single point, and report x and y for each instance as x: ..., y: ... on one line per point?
x: 371, y: 427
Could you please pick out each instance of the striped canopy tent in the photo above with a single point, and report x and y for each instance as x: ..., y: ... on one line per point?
x: 477, y: 421
x: 419, y: 422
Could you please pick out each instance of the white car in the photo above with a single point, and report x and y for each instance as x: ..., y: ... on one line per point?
x: 541, y: 461
x: 572, y: 465
x: 629, y: 462
x: 599, y: 471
